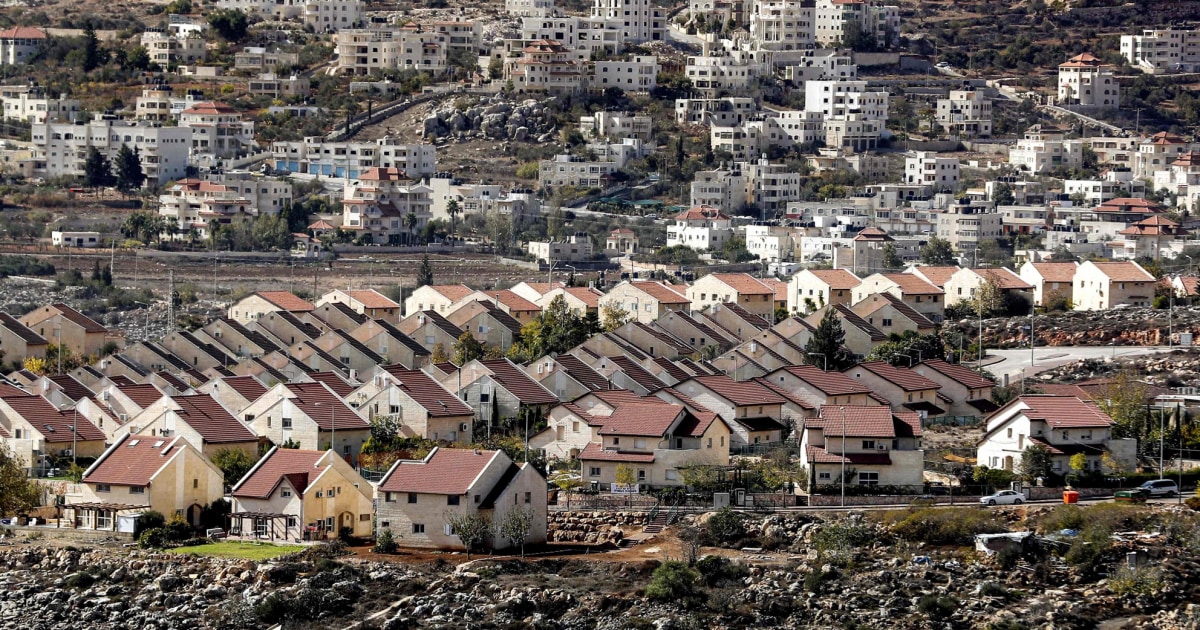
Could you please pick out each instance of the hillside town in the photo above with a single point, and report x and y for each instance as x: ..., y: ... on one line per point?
x: 740, y: 301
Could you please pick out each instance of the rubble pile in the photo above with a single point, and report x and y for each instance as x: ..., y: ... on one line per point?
x: 1122, y: 327
x: 1177, y: 368
x: 493, y: 118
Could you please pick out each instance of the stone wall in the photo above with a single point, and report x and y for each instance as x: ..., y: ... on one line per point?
x: 834, y: 500
x: 62, y: 533
x: 593, y: 528
x: 1038, y: 493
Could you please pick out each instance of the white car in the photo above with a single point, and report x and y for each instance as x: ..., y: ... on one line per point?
x: 1161, y: 488
x: 1004, y: 497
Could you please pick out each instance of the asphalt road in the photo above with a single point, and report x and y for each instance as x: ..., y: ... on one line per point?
x: 1016, y: 363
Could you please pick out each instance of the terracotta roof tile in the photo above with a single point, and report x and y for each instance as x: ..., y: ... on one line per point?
x: 818, y: 455
x: 904, y: 378
x: 1064, y: 411
x: 873, y: 234
x: 1056, y: 272
x: 588, y: 295
x: 286, y: 300
x: 262, y: 480
x: 664, y: 293
x: 638, y: 373
x: 671, y: 368
x: 448, y: 471
x: 438, y: 321
x: 71, y: 386
x: 335, y: 382
x: 514, y: 302
x: 452, y: 292
x: 873, y: 421
x: 744, y: 283
x: 937, y: 276
x: 370, y: 298
x: 789, y: 396
x: 913, y: 285
x: 23, y: 32
x: 853, y: 319
x: 435, y: 399
x: 133, y: 461
x: 739, y: 393
x: 1125, y: 271
x: 518, y: 383
x: 647, y: 419
x: 829, y: 383
x: 142, y: 395
x: 87, y: 323
x: 1004, y: 278
x: 959, y: 373
x: 247, y: 387
x: 212, y: 421
x: 318, y: 402
x: 582, y: 372
x: 408, y: 342
x: 836, y: 278
x: 21, y: 330
x: 52, y: 423
x: 701, y: 213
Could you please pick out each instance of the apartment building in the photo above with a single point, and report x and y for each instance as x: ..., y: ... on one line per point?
x: 783, y: 24
x: 363, y: 51
x: 723, y: 73
x: 571, y: 170
x: 546, y: 66
x: 640, y: 20
x: 639, y: 73
x: 1044, y: 147
x: 20, y: 43
x: 832, y: 17
x: 929, y: 169
x: 700, y: 227
x: 728, y: 111
x: 217, y: 129
x: 259, y: 59
x: 32, y: 104
x: 966, y: 113
x: 965, y: 226
x: 317, y: 156
x: 329, y: 16
x: 375, y: 206
x: 163, y: 150
x: 167, y: 48
x: 1086, y: 82
x: 1163, y: 51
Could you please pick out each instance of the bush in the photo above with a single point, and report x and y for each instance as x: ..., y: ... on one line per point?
x: 1193, y: 502
x: 719, y: 571
x: 153, y: 538
x: 150, y: 519
x: 993, y: 589
x: 815, y: 579
x: 937, y: 607
x: 1007, y: 557
x: 953, y: 526
x: 726, y: 526
x: 674, y: 581
x: 1139, y: 581
x: 839, y: 537
x: 80, y: 580
x: 385, y: 542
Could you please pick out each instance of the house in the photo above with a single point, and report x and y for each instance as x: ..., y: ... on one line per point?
x: 925, y: 298
x: 286, y: 327
x: 418, y: 405
x: 623, y: 372
x: 698, y: 332
x: 196, y: 350
x: 200, y: 419
x: 1064, y: 425
x: 169, y: 476
x: 430, y: 329
x: 566, y: 376
x: 297, y: 494
x: 701, y: 227
x: 860, y: 336
x: 892, y: 315
x: 18, y: 341
x: 739, y: 288
x: 732, y: 318
x: 386, y: 340
x: 966, y: 282
x: 816, y: 387
x: 252, y: 307
x: 645, y: 300
x: 335, y: 315
x: 20, y: 43
x: 1149, y: 237
x: 439, y: 298
x: 308, y: 414
x: 811, y: 289
x: 965, y: 391
x: 582, y: 301
x: 234, y: 393
x: 416, y: 497
x: 652, y: 340
x: 487, y: 322
x: 1086, y: 82
x: 1052, y: 281
x: 872, y: 445
x: 61, y: 324
x: 126, y: 401
x: 753, y: 412
x: 376, y: 206
x: 1104, y: 285
x: 498, y: 389
x: 367, y: 302
x: 35, y: 431
x: 903, y: 388
x: 519, y: 308
x: 534, y: 291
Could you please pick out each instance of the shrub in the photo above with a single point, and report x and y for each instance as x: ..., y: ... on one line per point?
x: 992, y: 589
x: 937, y: 607
x: 1139, y: 581
x: 1007, y: 557
x: 953, y: 526
x: 1193, y: 502
x: 153, y: 538
x: 80, y: 580
x: 150, y: 519
x: 385, y: 542
x: 837, y: 537
x: 719, y: 571
x: 673, y: 581
x: 815, y: 579
x: 726, y: 526
x: 272, y: 609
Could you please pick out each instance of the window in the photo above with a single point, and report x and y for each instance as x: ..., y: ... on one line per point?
x: 292, y: 521
x: 412, y: 497
x: 641, y: 475
x: 868, y: 445
x: 19, y: 432
x: 1066, y: 435
x: 320, y: 494
x: 387, y: 497
x: 286, y: 423
x: 452, y: 499
x: 195, y: 483
x: 594, y: 471
x: 823, y: 476
x: 103, y: 487
x: 639, y: 444
x: 484, y: 397
x: 528, y: 498
x: 1010, y: 433
x: 418, y: 528
x: 868, y: 479
x: 709, y: 442
x: 616, y: 441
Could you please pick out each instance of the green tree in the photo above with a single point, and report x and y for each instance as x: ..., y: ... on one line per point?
x: 130, y: 176
x: 938, y: 252
x: 735, y: 250
x: 453, y: 210
x: 425, y: 273
x: 612, y: 316
x: 1003, y: 195
x: 674, y: 582
x: 828, y: 344
x: 93, y: 57
x: 270, y: 232
x: 467, y: 349
x: 137, y: 60
x: 989, y: 299
x: 891, y: 257
x: 230, y: 24
x: 439, y: 354
x: 1125, y: 402
x: 97, y: 172
x: 1036, y: 462
x: 385, y: 542
x: 1078, y: 463
x: 106, y: 276
x: 471, y: 528
x: 18, y: 492
x: 234, y: 464
x: 515, y: 525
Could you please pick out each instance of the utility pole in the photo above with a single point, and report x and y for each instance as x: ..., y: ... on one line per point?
x: 843, y: 456
x: 170, y: 300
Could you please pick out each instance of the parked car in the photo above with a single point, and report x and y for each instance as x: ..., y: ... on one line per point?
x: 1161, y: 488
x: 1004, y: 497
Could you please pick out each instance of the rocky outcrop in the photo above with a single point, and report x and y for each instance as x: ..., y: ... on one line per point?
x: 593, y: 528
x: 1122, y: 327
x: 492, y: 118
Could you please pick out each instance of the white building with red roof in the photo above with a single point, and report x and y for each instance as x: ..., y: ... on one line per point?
x: 200, y: 419
x: 19, y: 43
x: 966, y: 282
x: 903, y: 388
x: 1050, y: 280
x: 753, y: 412
x: 217, y: 130
x: 367, y: 302
x: 742, y: 289
x: 810, y: 289
x: 167, y: 475
x: 1064, y: 425
x: 700, y: 227
x: 383, y: 206
x: 965, y: 391
x: 873, y: 445
x: 1104, y: 285
x: 922, y: 296
x: 416, y: 404
x: 1149, y: 238
x: 646, y: 300
x: 310, y: 415
x: 545, y: 65
x: 296, y: 494
x: 254, y: 306
x: 1085, y: 81
x: 416, y: 497
x: 34, y: 429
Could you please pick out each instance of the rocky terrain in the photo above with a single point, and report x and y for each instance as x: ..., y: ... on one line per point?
x: 1124, y: 327
x: 493, y: 118
x: 806, y: 571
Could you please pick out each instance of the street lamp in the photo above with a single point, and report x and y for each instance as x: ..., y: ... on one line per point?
x: 59, y: 350
x: 919, y: 353
x: 74, y: 438
x: 822, y: 355
x: 843, y: 456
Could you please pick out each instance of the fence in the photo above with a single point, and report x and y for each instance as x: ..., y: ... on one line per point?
x: 762, y: 448
x: 954, y: 421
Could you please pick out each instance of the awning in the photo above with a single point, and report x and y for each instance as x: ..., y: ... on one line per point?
x: 928, y: 407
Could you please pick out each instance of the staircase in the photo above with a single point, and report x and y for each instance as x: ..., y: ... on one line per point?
x: 657, y: 522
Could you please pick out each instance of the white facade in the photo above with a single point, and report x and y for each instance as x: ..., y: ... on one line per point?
x: 18, y: 44
x: 638, y: 74
x: 967, y: 226
x: 723, y: 74
x: 163, y: 150
x: 966, y: 113
x: 1084, y: 81
x: 166, y: 48
x: 529, y: 8
x: 376, y: 206
x: 363, y: 51
x: 833, y: 16
x: 771, y: 243
x: 333, y: 15
x: 616, y: 125
x: 217, y: 130
x: 930, y: 169
x: 573, y: 248
x: 314, y: 155
x: 31, y: 104
x: 569, y: 170
x: 782, y: 24
x: 1043, y: 149
x: 1162, y: 51
x: 641, y: 20
x: 728, y: 111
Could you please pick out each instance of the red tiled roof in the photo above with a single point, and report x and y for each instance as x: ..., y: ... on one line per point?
x: 247, y: 387
x: 907, y: 424
x: 904, y: 378
x: 665, y: 293
x: 381, y: 174
x: 1124, y: 271
x: 671, y: 368
x: 142, y: 395
x: 210, y: 108
x: 518, y: 383
x: 542, y: 288
x: 792, y: 398
x: 837, y: 278
x: 1128, y: 204
x: 71, y: 386
x: 700, y: 213
x: 335, y: 382
x: 650, y: 419
x: 21, y: 330
x: 850, y: 317
x: 639, y: 374
x: 23, y: 32
x: 452, y: 292
x: 818, y: 455
x: 1084, y: 60
x: 132, y: 461
x: 318, y: 402
x: 286, y: 301
x: 1056, y: 272
x: 744, y: 283
x: 739, y: 393
x: 449, y: 471
x: 87, y: 323
x: 912, y: 285
x: 901, y: 307
x: 696, y: 423
x: 262, y: 480
x: 370, y: 298
x: 684, y: 400
x: 596, y: 453
x: 1004, y: 278
x: 873, y: 234
x: 513, y: 301
x: 829, y: 383
x: 172, y: 380
x: 212, y: 421
x: 582, y: 372
x: 937, y: 276
x: 53, y: 424
x: 1064, y: 412
x: 432, y: 397
x: 616, y: 397
x: 961, y: 374
x: 588, y: 295
x: 874, y: 421
x: 779, y: 287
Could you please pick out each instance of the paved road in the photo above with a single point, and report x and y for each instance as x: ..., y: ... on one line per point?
x: 1015, y: 363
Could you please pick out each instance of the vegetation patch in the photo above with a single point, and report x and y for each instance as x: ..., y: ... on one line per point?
x: 242, y: 550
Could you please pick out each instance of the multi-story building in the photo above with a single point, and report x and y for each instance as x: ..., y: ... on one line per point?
x: 1084, y: 81
x: 585, y: 38
x: 839, y: 99
x: 1043, y: 148
x: 31, y: 103
x: 529, y: 8
x: 163, y: 150
x: 364, y: 51
x: 700, y: 227
x: 572, y: 248
x: 193, y: 203
x: 636, y: 74
x: 1064, y: 425
x: 728, y: 111
x: 640, y: 20
x: 1162, y: 51
x: 771, y: 243
x: 722, y: 74
x: 378, y: 204
x: 834, y: 20
x: 315, y: 155
x: 1113, y: 185
x: 616, y: 125
x: 824, y: 64
x: 20, y: 43
x: 546, y: 66
x: 217, y: 129
x: 570, y: 170
x: 259, y: 59
x: 1156, y: 152
x: 1182, y: 177
x: 328, y: 16
x: 930, y: 169
x: 268, y: 84
x: 723, y: 188
x: 966, y: 226
x: 782, y: 24
x: 966, y: 113
x: 770, y: 186
x: 166, y: 48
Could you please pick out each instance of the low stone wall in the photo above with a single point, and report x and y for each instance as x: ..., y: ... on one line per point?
x: 593, y: 528
x: 62, y: 533
x: 1039, y: 494
x: 834, y: 500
